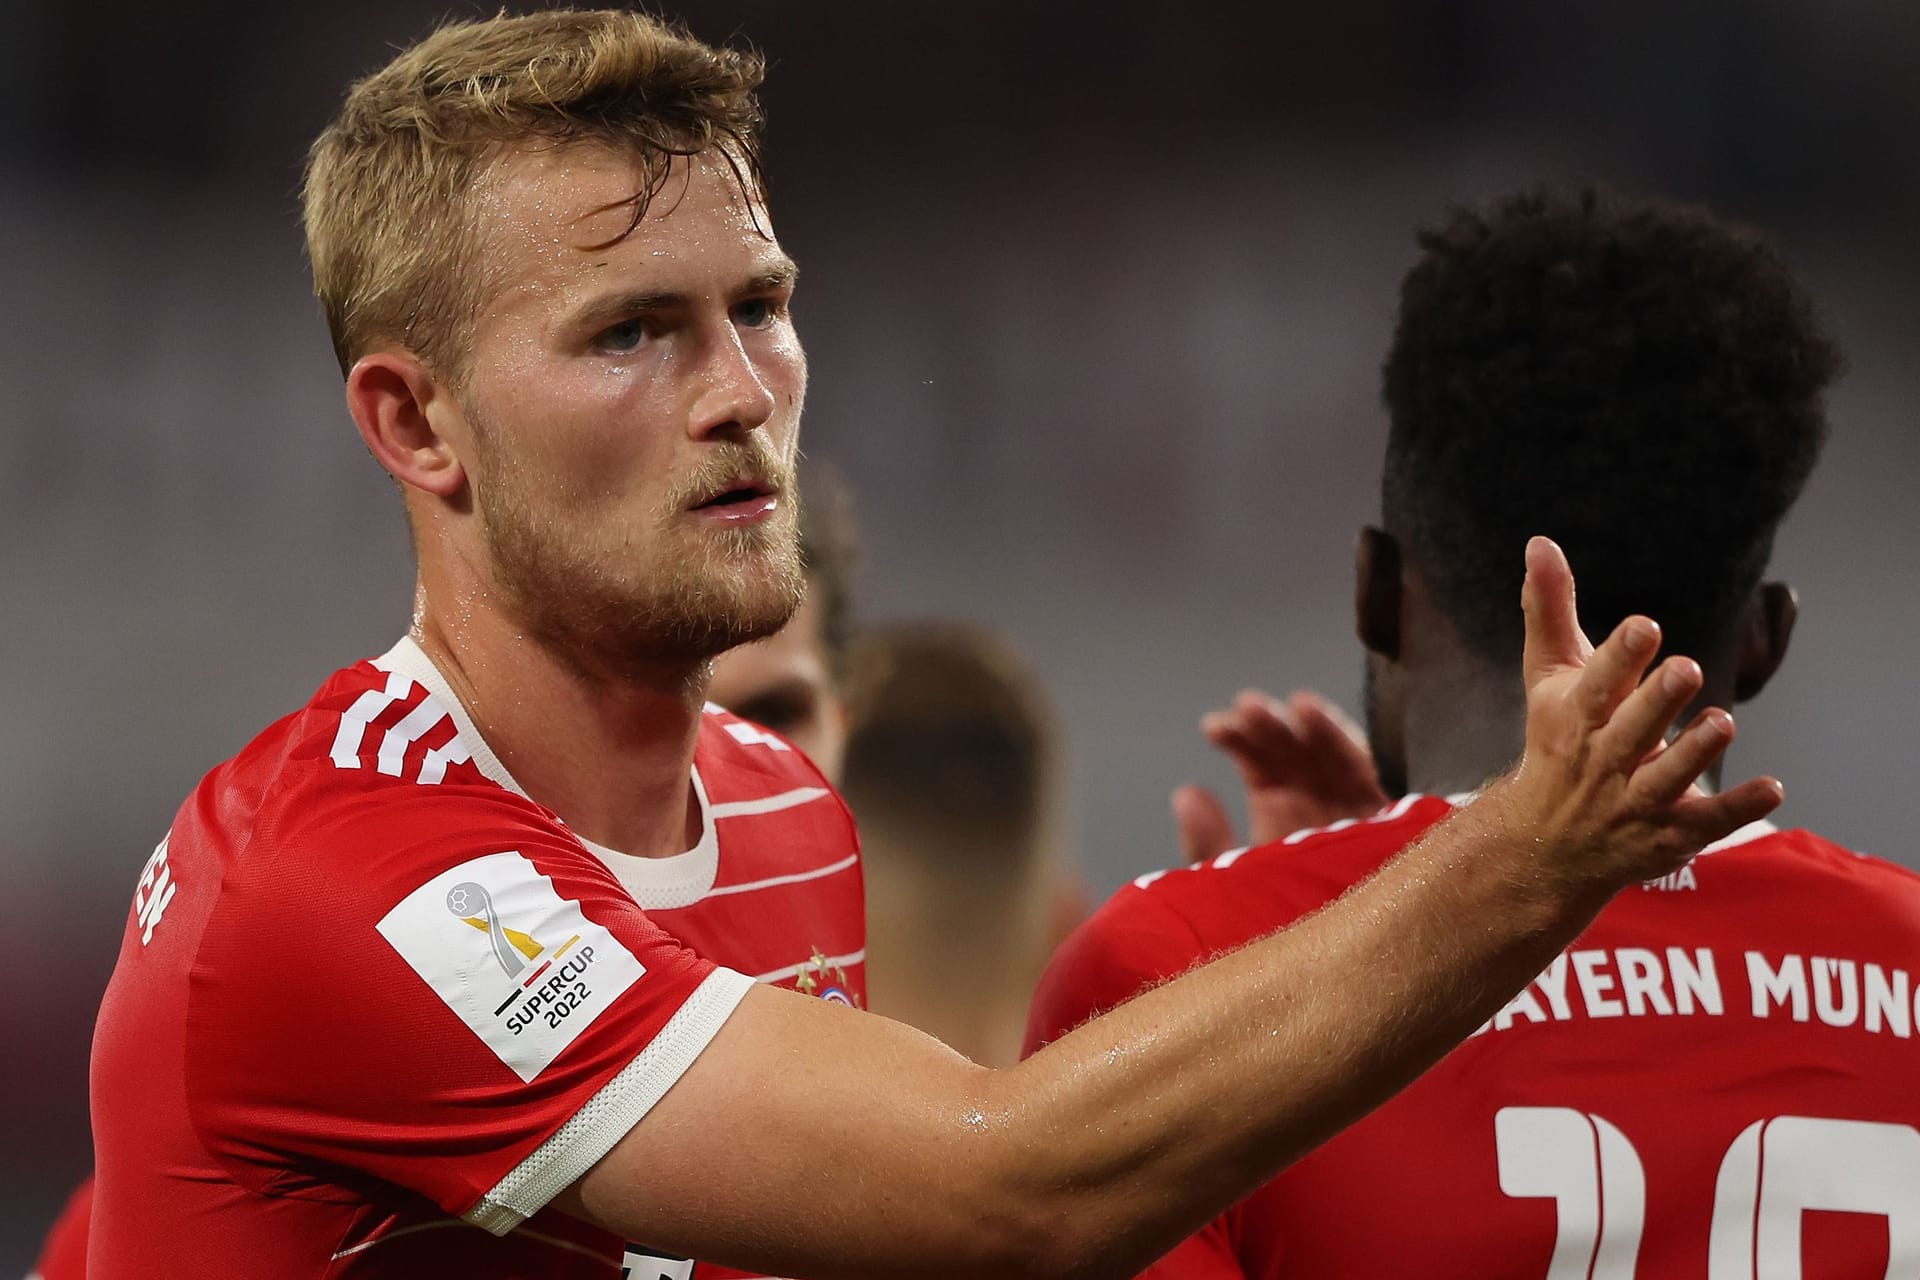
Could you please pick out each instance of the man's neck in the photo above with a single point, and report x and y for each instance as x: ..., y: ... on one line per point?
x: 1475, y: 728
x: 612, y: 756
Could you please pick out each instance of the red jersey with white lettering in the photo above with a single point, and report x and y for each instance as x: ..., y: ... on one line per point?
x: 374, y: 1007
x: 1716, y: 1081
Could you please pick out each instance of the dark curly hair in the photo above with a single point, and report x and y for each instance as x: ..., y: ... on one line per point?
x: 1638, y: 379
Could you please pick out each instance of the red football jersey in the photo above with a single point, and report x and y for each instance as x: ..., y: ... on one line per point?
x: 1715, y: 1082
x: 64, y: 1254
x: 372, y: 999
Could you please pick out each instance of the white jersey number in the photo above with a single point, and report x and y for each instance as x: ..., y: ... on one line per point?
x: 1775, y: 1170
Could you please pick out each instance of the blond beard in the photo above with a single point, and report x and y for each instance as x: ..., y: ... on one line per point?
x: 602, y: 610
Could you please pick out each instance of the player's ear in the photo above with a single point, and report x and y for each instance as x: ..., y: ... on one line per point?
x: 1764, y: 637
x: 396, y: 402
x: 1377, y: 592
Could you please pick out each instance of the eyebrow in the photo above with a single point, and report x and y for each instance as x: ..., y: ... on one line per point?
x: 781, y: 274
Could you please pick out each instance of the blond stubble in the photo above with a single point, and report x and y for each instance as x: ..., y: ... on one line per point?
x: 664, y: 600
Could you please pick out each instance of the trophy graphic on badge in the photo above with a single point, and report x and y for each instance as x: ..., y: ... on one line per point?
x: 473, y: 904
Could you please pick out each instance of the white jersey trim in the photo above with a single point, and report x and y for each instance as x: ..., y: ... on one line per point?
x: 794, y: 970
x: 768, y: 804
x: 656, y: 884
x: 610, y: 1114
x: 662, y: 884
x: 1745, y: 835
x: 798, y: 877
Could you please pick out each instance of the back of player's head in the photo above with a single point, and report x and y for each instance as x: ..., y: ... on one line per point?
x: 829, y: 552
x: 389, y: 184
x: 951, y: 754
x: 1638, y: 379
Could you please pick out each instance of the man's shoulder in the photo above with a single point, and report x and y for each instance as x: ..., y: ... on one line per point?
x: 1166, y: 922
x: 747, y: 756
x: 373, y: 771
x: 779, y: 824
x: 1799, y: 851
x: 753, y: 773
x: 1799, y: 872
x: 1247, y: 892
x: 362, y: 728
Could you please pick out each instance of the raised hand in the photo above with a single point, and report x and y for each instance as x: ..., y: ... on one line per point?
x: 1608, y: 798
x: 1303, y: 763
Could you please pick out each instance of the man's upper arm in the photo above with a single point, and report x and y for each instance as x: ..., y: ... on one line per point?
x: 474, y: 1011
x: 810, y: 1138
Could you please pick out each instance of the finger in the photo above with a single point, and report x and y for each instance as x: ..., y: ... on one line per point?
x: 1215, y: 723
x: 1275, y: 748
x: 1614, y: 670
x: 1226, y: 730
x: 1706, y: 819
x: 1255, y: 699
x: 1330, y: 738
x: 1263, y: 715
x: 1554, y: 639
x: 1663, y: 779
x: 1648, y: 715
x: 1312, y: 711
x: 1200, y: 824
x: 1264, y: 747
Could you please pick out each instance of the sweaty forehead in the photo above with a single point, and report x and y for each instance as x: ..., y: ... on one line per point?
x: 546, y: 217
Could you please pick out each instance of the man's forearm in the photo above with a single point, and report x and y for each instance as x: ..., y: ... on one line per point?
x: 1176, y: 1104
x: 1111, y: 1144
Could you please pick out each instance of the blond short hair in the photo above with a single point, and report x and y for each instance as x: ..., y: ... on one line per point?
x: 388, y: 184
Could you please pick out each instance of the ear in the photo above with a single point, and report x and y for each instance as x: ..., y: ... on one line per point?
x: 1764, y: 638
x: 1377, y: 592
x: 395, y: 401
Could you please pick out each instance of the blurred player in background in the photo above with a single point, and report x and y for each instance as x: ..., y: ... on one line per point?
x: 410, y: 965
x: 1716, y: 1080
x: 952, y: 771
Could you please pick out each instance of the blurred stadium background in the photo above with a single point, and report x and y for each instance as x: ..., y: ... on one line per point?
x: 1095, y: 297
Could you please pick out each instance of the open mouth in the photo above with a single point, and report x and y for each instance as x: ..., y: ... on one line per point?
x: 745, y: 499
x: 746, y: 493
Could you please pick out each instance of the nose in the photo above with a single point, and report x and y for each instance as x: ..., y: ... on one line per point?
x: 734, y: 395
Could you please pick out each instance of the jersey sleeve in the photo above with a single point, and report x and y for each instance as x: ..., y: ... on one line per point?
x: 455, y: 998
x: 1132, y: 943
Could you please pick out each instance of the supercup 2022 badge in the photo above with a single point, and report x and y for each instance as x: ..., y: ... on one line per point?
x: 521, y: 965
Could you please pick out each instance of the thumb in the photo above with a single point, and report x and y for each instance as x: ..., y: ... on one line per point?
x: 1554, y: 639
x: 1201, y: 824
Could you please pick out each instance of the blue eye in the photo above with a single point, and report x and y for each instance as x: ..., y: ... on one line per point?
x: 625, y: 336
x: 755, y: 312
